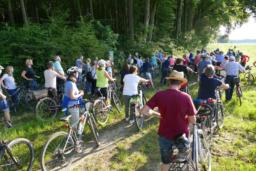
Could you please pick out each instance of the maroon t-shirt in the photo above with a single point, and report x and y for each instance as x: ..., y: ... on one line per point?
x: 175, y: 107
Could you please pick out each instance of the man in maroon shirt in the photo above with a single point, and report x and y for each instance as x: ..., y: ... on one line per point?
x: 176, y: 111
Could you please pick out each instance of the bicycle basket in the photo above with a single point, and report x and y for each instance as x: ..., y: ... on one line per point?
x: 38, y: 94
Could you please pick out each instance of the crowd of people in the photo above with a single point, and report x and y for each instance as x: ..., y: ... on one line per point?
x: 175, y: 108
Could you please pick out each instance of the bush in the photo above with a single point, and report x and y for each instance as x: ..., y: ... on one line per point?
x: 42, y: 42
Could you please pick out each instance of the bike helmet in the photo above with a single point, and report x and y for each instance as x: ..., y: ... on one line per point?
x: 72, y: 70
x: 1, y: 67
x: 102, y: 63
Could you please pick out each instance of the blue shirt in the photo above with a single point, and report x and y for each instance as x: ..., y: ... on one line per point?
x: 207, y: 87
x: 166, y: 64
x: 57, y: 67
x: 79, y: 63
x: 232, y: 68
x: 146, y: 67
x: 153, y: 60
x: 202, y: 65
x: 219, y: 58
x: 67, y: 101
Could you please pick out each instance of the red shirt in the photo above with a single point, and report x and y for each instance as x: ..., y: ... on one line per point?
x: 175, y: 107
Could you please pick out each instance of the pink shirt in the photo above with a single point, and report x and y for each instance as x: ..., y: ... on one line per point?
x: 172, y: 61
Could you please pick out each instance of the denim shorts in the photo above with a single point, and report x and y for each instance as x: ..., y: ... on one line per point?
x: 165, y: 149
x: 4, y: 106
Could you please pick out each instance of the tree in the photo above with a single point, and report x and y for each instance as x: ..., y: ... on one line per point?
x: 24, y: 13
x: 10, y: 11
x: 131, y: 19
x: 146, y: 18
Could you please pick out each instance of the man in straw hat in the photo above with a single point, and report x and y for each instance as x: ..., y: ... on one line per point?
x: 176, y: 112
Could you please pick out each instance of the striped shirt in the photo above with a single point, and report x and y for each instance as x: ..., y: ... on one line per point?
x: 232, y: 68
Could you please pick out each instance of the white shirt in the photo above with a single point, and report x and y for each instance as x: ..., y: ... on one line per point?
x: 232, y: 68
x: 9, y: 82
x: 131, y: 82
x: 50, y: 78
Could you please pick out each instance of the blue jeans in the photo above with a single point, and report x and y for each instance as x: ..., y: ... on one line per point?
x: 231, y: 81
x: 88, y: 87
x: 4, y: 106
x: 32, y: 85
x: 165, y: 148
x: 14, y: 95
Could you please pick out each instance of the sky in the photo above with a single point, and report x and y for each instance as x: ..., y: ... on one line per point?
x: 246, y: 31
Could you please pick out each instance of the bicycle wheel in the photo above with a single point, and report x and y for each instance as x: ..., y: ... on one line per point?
x: 57, y: 151
x: 117, y: 102
x: 204, y: 152
x: 94, y: 130
x: 139, y: 119
x: 220, y: 115
x: 100, y: 112
x: 19, y: 155
x: 205, y: 119
x: 195, y: 151
x: 239, y: 94
x: 249, y: 78
x: 46, y: 108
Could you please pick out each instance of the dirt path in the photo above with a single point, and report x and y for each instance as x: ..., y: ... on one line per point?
x: 100, y: 158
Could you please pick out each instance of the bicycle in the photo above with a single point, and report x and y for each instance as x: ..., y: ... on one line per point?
x: 112, y: 95
x: 219, y: 112
x: 201, y: 153
x: 48, y: 106
x: 195, y: 158
x: 249, y: 77
x: 17, y: 154
x: 181, y: 157
x: 61, y: 146
x: 136, y: 103
x: 101, y: 109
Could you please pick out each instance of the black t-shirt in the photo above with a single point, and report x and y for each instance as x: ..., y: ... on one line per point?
x: 30, y: 73
x: 207, y: 87
x: 181, y: 68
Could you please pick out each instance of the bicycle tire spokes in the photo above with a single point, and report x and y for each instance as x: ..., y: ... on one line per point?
x: 58, y: 151
x: 19, y: 155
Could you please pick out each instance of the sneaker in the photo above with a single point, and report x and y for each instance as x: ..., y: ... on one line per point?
x: 132, y: 122
x: 126, y: 119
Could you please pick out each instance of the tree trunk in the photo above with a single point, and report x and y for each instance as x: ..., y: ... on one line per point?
x: 190, y: 16
x: 116, y: 16
x: 179, y: 17
x: 152, y: 20
x: 131, y: 20
x: 24, y: 13
x: 91, y: 8
x: 146, y: 19
x: 79, y: 9
x: 10, y: 12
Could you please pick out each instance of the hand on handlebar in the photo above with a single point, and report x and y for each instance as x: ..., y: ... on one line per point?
x: 81, y: 92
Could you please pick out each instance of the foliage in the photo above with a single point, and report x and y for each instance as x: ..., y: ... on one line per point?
x: 42, y: 42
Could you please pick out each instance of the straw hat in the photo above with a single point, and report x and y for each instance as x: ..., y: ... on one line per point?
x: 175, y: 75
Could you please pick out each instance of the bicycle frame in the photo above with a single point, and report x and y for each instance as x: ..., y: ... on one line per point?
x: 4, y: 150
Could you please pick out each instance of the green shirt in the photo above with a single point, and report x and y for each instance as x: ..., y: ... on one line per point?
x: 102, y: 80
